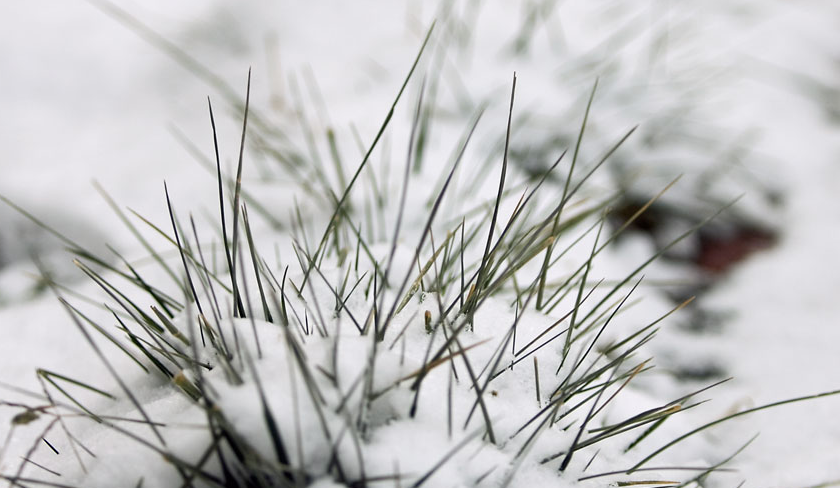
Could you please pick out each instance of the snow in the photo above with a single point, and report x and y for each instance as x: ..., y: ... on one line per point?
x: 739, y: 96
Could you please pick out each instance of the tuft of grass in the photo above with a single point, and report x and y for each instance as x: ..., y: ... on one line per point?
x: 219, y: 341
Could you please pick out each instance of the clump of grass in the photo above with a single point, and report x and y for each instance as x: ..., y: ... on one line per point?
x: 376, y: 323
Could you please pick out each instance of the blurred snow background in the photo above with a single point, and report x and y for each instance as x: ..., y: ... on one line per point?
x: 740, y: 96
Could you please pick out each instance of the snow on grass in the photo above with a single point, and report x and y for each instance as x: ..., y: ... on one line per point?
x: 736, y: 95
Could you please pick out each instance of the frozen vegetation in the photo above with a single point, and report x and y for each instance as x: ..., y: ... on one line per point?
x: 443, y: 243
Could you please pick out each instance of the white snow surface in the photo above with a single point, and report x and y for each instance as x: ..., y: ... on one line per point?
x: 742, y: 97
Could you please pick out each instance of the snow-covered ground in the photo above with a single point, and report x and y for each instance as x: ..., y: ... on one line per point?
x: 743, y: 97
